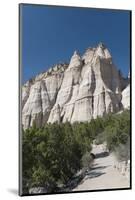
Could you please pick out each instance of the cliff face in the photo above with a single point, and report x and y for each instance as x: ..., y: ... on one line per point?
x: 126, y: 97
x: 87, y: 87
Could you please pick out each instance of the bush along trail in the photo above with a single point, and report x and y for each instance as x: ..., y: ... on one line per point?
x: 79, y: 156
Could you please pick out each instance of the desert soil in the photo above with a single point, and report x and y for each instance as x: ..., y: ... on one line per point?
x: 103, y: 175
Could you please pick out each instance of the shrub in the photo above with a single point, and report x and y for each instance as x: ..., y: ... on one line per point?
x: 87, y: 161
x: 122, y: 152
x: 100, y: 139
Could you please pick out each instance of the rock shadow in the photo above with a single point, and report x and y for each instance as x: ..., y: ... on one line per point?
x: 101, y: 155
x: 73, y: 183
x: 100, y: 167
x: 91, y: 175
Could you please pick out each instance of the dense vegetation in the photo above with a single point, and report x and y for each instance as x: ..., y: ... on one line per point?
x: 54, y: 153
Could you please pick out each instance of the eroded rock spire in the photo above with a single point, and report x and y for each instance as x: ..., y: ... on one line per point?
x: 87, y: 87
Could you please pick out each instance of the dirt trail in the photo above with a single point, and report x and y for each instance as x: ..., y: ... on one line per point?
x: 103, y: 175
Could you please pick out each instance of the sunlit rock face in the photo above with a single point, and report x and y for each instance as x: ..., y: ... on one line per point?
x: 89, y: 86
x: 126, y: 97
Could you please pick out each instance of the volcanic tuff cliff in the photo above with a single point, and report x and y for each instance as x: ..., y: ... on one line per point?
x: 87, y: 87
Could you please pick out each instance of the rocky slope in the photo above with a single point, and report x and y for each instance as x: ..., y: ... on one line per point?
x: 87, y: 87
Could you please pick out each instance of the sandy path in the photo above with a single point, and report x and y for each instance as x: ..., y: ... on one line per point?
x: 102, y: 175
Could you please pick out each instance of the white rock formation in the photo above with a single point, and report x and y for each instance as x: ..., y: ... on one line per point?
x: 88, y: 87
x: 126, y: 97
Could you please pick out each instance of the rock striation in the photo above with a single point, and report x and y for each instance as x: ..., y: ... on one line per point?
x: 89, y: 86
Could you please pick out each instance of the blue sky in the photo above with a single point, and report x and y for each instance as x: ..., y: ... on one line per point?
x: 51, y: 34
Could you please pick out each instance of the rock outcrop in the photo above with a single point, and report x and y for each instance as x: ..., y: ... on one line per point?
x: 87, y: 87
x: 126, y: 97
